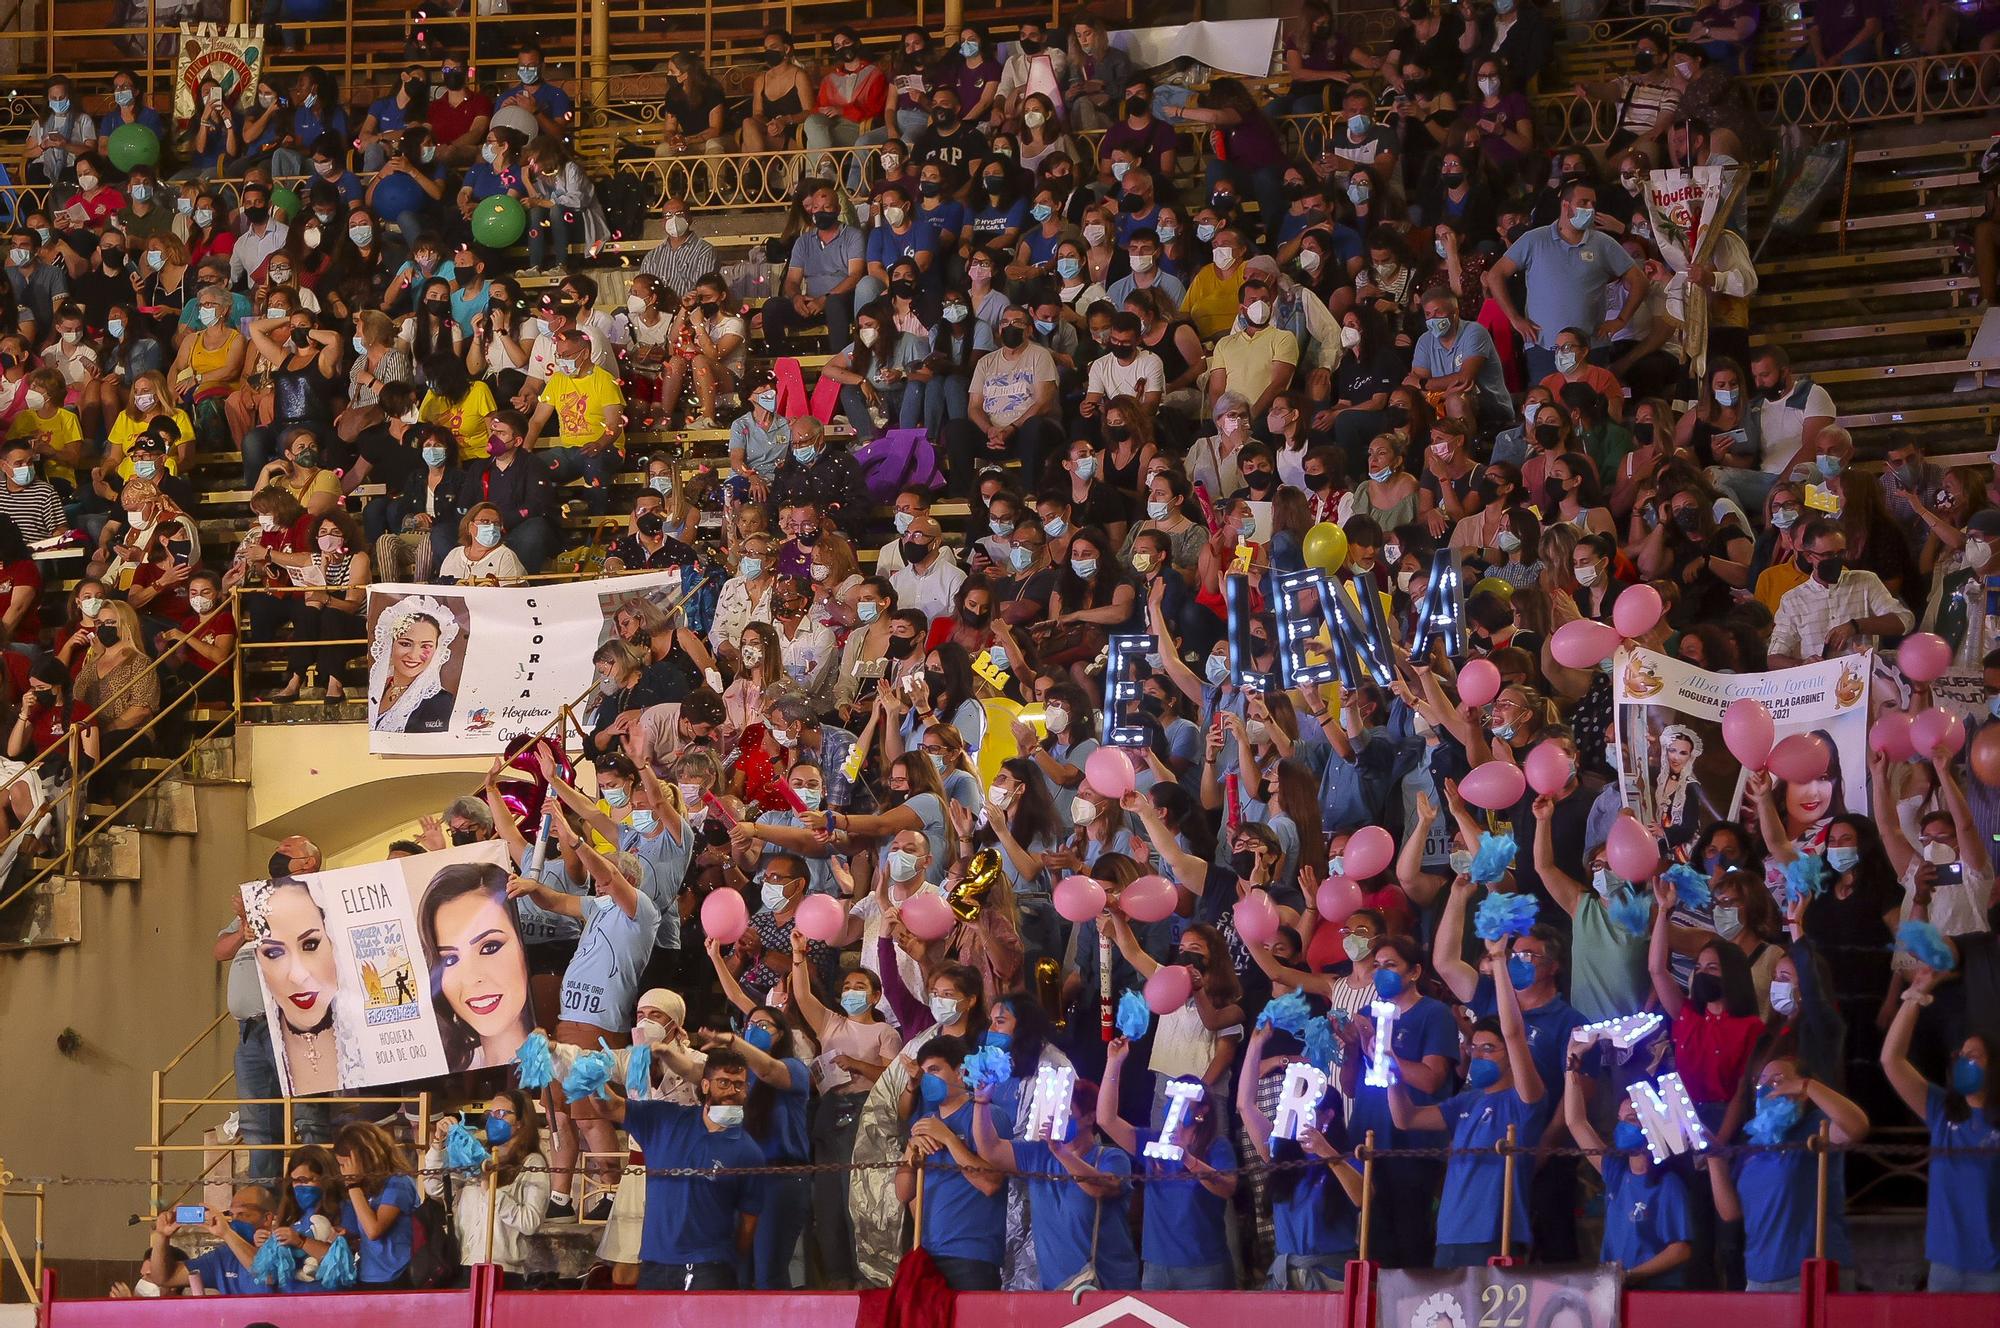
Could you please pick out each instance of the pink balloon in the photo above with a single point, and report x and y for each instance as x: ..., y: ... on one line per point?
x: 1549, y: 769
x: 927, y: 915
x: 820, y: 918
x: 1631, y: 850
x: 1494, y: 786
x: 1256, y: 918
x: 1748, y: 732
x: 1109, y: 772
x: 1369, y: 852
x: 1933, y: 727
x: 1149, y: 899
x: 1583, y: 644
x: 1336, y: 898
x: 1891, y: 735
x: 1478, y: 682
x: 1923, y: 656
x: 723, y: 916
x: 1637, y: 611
x: 1799, y: 759
x: 1078, y: 898
x: 1168, y: 989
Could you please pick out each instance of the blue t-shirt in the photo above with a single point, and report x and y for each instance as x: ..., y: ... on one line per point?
x: 663, y: 863
x: 309, y: 122
x: 888, y: 248
x: 1643, y: 1212
x: 223, y: 1274
x: 388, y: 114
x: 1780, y: 1191
x: 785, y: 1137
x: 1425, y: 1029
x: 1566, y: 283
x: 1548, y: 1027
x: 1063, y: 1215
x: 1471, y: 341
x: 1184, y: 1224
x: 383, y: 1260
x: 1962, y: 1227
x: 1310, y: 1211
x: 692, y: 1218
x: 1469, y: 1207
x: 961, y: 1222
x: 1042, y: 248
x: 467, y: 305
x: 485, y: 182
x: 550, y: 100
x: 947, y: 218
x: 1131, y: 223
x: 991, y: 222
x: 601, y: 983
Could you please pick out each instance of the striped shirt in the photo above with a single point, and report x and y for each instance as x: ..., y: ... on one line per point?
x: 35, y: 510
x: 681, y: 267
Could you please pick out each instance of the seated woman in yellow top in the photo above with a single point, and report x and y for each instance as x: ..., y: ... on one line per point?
x: 150, y: 400
x: 1215, y: 293
x: 457, y: 402
x: 50, y: 427
x: 299, y: 473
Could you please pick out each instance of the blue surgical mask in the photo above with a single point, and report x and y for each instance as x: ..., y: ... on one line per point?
x: 1381, y: 476
x: 1086, y: 468
x: 144, y: 470
x: 530, y: 74
x: 617, y: 797
x: 1482, y: 1074
x: 1829, y: 465
x: 434, y: 455
x: 60, y: 105
x: 998, y: 1041
x: 1726, y: 396
x: 854, y: 1002
x: 1388, y: 983
x: 498, y: 1129
x: 933, y: 1089
x: 307, y: 1196
x: 1439, y: 326
x: 956, y: 313
x: 759, y: 1037
x: 1628, y: 1136
x: 487, y: 533
x: 750, y: 568
x: 804, y: 455
x: 1156, y: 511
x: 969, y: 49
x: 1020, y: 558
x: 1204, y: 231
x: 1520, y: 971
x: 1084, y: 567
x: 1843, y: 858
x: 115, y: 327
x: 867, y: 610
x: 1055, y: 527
x: 1582, y: 217
x: 1967, y: 1076
x: 1042, y: 211
x: 1069, y: 267
x: 643, y: 821
x: 1357, y: 125
x: 1217, y: 668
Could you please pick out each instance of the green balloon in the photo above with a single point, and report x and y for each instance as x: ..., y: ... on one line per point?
x: 499, y: 221
x: 286, y: 201
x: 134, y: 145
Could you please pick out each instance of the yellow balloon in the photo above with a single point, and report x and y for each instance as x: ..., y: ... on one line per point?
x: 1326, y: 547
x: 999, y: 744
x: 1493, y: 583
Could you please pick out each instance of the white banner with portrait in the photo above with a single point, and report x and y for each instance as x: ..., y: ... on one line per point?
x: 460, y: 670
x: 1677, y: 769
x: 391, y: 972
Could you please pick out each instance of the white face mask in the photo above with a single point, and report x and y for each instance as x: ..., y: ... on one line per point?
x: 1784, y: 997
x: 1350, y: 337
x: 647, y: 1032
x: 724, y: 1118
x: 1586, y: 575
x: 1223, y: 256
x: 999, y: 797
x: 1940, y: 855
x: 944, y: 1009
x: 1082, y: 811
x: 773, y: 896
x: 1356, y: 947
x: 1056, y: 718
x: 145, y: 1289
x: 690, y: 795
x: 902, y: 864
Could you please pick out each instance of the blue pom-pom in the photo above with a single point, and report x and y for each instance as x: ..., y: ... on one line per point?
x: 1504, y: 915
x: 1493, y: 858
x: 534, y: 1063
x: 1805, y: 877
x: 1689, y: 885
x: 462, y: 1149
x: 336, y: 1267
x: 1289, y: 1013
x: 987, y: 1067
x: 590, y: 1076
x: 1134, y: 1016
x: 1631, y: 910
x: 275, y: 1265
x: 1776, y: 1117
x: 1322, y: 1047
x: 1925, y: 944
x: 639, y: 1071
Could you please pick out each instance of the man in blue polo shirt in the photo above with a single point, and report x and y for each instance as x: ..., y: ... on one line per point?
x: 1458, y: 358
x: 698, y: 1225
x: 1568, y: 264
x: 549, y: 104
x: 224, y: 1269
x: 964, y: 1207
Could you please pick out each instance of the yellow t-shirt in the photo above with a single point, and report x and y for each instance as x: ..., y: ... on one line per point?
x: 466, y: 419
x: 1212, y: 300
x: 129, y: 426
x: 1777, y: 580
x: 579, y: 404
x: 61, y: 431
x: 1249, y: 362
x: 322, y: 481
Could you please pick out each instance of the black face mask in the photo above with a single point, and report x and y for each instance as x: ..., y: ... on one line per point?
x: 914, y: 553
x: 1319, y: 479
x: 1258, y: 481
x: 454, y: 79
x: 1548, y: 435
x: 996, y: 185
x: 930, y: 188
x: 1260, y: 645
x: 944, y: 119
x: 826, y: 219
x: 1243, y: 864
x: 1830, y: 568
x: 108, y: 634
x: 1451, y: 179
x: 1131, y: 204
x: 1486, y: 489
x: 710, y: 308
x: 1642, y: 433
x: 1013, y: 336
x: 256, y: 216
x: 1643, y: 61
x: 1688, y: 519
x: 307, y: 457
x: 1396, y: 417
x: 650, y: 524
x: 114, y: 260
x: 301, y: 337
x: 899, y: 647
x: 772, y: 59
x: 1030, y: 45
x: 1116, y: 433
x: 934, y: 679
x: 1552, y: 493
x: 1125, y: 354
x: 906, y: 289
x: 464, y: 837
x: 1703, y: 988
x: 1137, y: 105
x: 1189, y: 959
x: 1294, y: 189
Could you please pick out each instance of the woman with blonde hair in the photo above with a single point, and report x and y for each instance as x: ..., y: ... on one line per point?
x: 481, y: 555
x: 117, y: 676
x: 379, y: 1194
x: 148, y: 403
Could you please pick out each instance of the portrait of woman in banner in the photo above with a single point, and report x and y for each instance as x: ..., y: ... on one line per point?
x: 415, y: 656
x: 312, y: 1022
x: 478, y: 964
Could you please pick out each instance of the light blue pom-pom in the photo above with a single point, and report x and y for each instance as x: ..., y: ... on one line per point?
x: 1805, y: 877
x: 1925, y: 944
x: 1776, y: 1116
x: 987, y: 1067
x: 336, y: 1267
x: 1631, y: 910
x: 639, y: 1071
x: 1504, y: 915
x: 1289, y: 1013
x: 1322, y: 1047
x: 462, y: 1149
x: 1134, y: 1017
x: 1493, y: 859
x: 591, y: 1075
x: 1689, y: 885
x: 275, y: 1265
x: 534, y: 1063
